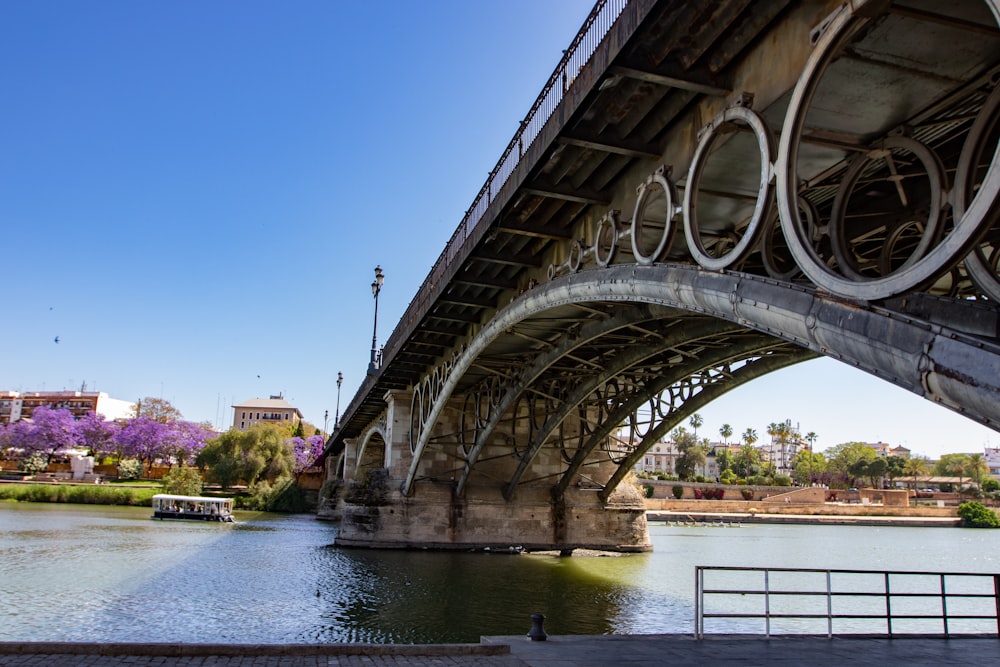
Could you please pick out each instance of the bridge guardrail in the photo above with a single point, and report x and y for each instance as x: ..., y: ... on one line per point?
x: 800, y: 601
x: 595, y: 28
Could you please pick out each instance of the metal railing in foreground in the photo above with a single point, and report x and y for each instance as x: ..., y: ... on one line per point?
x: 792, y: 601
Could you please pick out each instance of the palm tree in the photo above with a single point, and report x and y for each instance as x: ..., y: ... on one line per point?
x: 914, y: 467
x: 772, y: 430
x: 726, y: 432
x: 750, y: 436
x: 958, y: 467
x: 696, y: 420
x: 811, y: 438
x: 976, y: 464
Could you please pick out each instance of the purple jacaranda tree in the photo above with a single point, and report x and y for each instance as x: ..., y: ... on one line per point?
x: 96, y: 434
x: 47, y: 432
x: 147, y: 440
x: 306, y: 450
x: 141, y: 438
x: 182, y: 442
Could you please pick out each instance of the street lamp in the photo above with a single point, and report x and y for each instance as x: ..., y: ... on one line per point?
x: 376, y: 288
x: 336, y: 419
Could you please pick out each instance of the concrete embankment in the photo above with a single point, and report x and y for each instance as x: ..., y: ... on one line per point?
x: 806, y: 506
x: 814, y: 519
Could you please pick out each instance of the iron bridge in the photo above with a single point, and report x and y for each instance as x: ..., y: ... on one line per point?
x: 704, y: 193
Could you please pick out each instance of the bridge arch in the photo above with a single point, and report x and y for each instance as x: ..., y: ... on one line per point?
x: 954, y: 369
x: 372, y: 449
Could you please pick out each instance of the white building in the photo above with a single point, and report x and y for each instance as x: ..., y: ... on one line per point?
x: 273, y: 410
x: 15, y: 405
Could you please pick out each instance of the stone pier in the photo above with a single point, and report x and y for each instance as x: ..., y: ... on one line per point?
x: 373, y: 511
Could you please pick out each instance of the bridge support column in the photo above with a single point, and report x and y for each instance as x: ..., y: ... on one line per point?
x: 374, y: 512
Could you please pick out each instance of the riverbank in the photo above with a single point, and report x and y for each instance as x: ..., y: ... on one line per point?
x: 801, y: 510
x: 77, y: 494
x: 737, y: 518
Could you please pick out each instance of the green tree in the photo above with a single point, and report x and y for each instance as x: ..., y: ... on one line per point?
x: 897, y: 467
x: 261, y: 452
x: 806, y: 465
x: 953, y: 465
x: 811, y: 437
x: 726, y: 431
x: 690, y: 453
x: 977, y: 466
x: 747, y: 461
x: 723, y: 460
x: 977, y: 515
x: 841, y: 458
x: 749, y: 436
x: 916, y: 466
x: 182, y: 481
x: 696, y: 421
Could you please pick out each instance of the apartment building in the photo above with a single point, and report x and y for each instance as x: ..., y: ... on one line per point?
x: 271, y: 410
x: 15, y: 405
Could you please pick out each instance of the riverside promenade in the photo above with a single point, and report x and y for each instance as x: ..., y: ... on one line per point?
x: 557, y: 651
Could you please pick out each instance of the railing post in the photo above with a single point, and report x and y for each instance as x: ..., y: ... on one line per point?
x: 888, y: 606
x: 767, y: 604
x: 944, y: 606
x: 996, y: 599
x: 829, y: 606
x: 699, y: 590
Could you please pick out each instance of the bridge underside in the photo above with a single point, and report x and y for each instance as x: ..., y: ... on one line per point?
x: 721, y: 191
x: 528, y: 434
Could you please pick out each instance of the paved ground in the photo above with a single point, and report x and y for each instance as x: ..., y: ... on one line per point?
x: 562, y: 651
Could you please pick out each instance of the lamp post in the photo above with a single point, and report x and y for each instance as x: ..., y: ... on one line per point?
x: 376, y: 288
x: 336, y: 418
x: 326, y: 418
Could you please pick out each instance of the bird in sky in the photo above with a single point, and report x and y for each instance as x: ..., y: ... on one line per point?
x: 56, y: 339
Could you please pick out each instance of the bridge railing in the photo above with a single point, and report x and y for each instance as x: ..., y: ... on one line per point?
x: 595, y: 28
x: 848, y: 602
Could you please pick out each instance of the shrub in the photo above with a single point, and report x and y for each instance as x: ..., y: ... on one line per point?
x: 129, y: 469
x: 33, y: 464
x: 283, y: 496
x: 648, y: 490
x: 977, y: 515
x: 747, y: 494
x: 678, y: 491
x: 699, y: 493
x: 89, y: 494
x: 782, y: 480
x: 182, y: 481
x: 990, y: 485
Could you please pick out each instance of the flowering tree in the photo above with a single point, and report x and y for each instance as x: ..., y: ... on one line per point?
x: 96, y: 435
x: 182, y: 441
x: 306, y: 451
x: 141, y: 438
x: 47, y: 432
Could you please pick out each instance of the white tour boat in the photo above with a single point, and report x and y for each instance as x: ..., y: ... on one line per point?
x: 192, y: 508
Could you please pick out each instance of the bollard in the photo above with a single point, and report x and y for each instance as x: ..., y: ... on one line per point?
x: 537, y: 632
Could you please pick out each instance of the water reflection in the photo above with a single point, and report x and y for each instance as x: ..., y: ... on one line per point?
x: 77, y: 573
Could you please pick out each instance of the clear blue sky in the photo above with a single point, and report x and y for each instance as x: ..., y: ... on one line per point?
x: 194, y: 195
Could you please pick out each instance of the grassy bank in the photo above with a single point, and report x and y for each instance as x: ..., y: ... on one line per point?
x: 90, y: 494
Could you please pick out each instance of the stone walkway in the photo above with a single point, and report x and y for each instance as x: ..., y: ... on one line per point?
x: 561, y: 651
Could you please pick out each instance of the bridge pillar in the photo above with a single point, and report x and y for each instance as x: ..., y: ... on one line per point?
x: 374, y: 512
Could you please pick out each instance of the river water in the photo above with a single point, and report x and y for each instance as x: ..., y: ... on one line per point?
x: 97, y: 573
